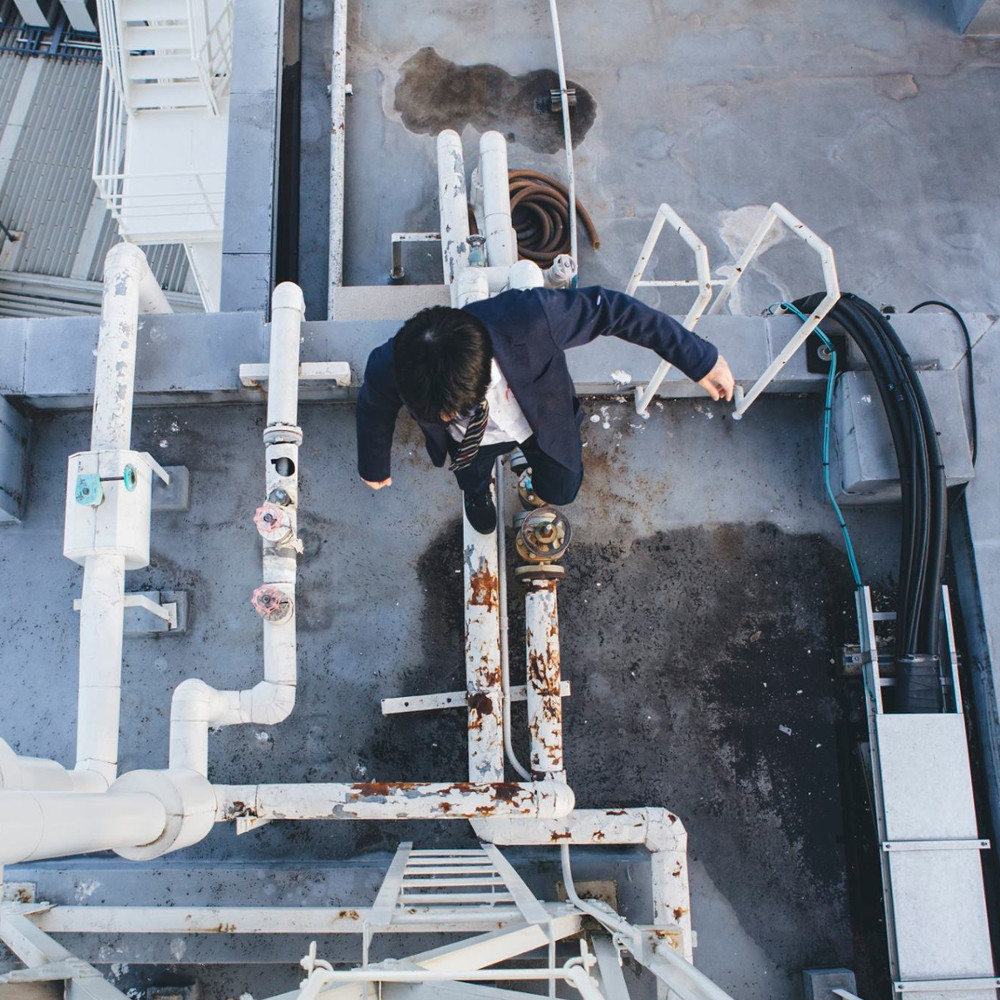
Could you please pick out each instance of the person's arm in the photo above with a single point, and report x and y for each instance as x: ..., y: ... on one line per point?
x: 579, y: 316
x: 375, y: 414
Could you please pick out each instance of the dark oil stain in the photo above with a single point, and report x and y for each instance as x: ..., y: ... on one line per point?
x: 698, y: 645
x: 434, y: 94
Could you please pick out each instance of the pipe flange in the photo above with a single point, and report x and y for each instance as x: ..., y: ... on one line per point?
x: 539, y: 573
x: 278, y: 433
x: 272, y: 604
x: 274, y: 523
x: 543, y: 536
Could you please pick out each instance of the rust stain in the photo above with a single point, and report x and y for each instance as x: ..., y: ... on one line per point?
x: 615, y: 812
x: 484, y: 589
x: 506, y: 791
x: 380, y: 788
x: 240, y: 809
x: 226, y: 929
x: 679, y: 912
x: 556, y: 835
x: 348, y: 915
x: 598, y: 835
x: 480, y: 704
x: 446, y: 807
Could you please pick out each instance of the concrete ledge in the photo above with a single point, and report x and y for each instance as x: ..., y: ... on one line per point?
x: 195, y: 358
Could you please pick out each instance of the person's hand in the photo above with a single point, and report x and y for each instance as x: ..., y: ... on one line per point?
x: 719, y: 381
x: 378, y: 486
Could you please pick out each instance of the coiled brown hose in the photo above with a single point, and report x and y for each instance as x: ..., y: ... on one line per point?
x: 539, y: 207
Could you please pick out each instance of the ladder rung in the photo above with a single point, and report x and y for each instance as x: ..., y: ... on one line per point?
x: 442, y: 883
x: 462, y: 869
x: 456, y: 898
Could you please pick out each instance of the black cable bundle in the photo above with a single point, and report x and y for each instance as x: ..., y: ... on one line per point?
x: 924, y: 500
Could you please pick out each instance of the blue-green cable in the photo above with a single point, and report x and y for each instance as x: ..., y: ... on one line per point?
x: 827, y: 410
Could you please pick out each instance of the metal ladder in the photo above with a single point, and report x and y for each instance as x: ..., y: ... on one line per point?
x: 458, y: 886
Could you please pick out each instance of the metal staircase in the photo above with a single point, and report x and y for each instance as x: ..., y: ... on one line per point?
x: 160, y: 149
x: 470, y: 886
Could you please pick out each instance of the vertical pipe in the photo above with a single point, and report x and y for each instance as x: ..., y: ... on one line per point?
x: 454, y: 208
x: 102, y: 615
x: 111, y: 426
x: 567, y: 134
x: 541, y: 624
x: 501, y: 243
x: 338, y: 127
x: 128, y: 287
x: 484, y: 688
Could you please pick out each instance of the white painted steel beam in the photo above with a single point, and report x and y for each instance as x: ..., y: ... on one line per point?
x: 541, y: 629
x: 267, y: 920
x: 338, y: 139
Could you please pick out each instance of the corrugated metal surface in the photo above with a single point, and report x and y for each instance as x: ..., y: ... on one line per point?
x: 48, y: 189
x: 169, y: 262
x: 11, y: 71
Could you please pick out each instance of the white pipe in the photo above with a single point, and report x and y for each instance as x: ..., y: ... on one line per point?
x: 678, y: 973
x: 102, y: 620
x: 501, y: 242
x: 129, y: 287
x: 338, y: 135
x: 508, y: 744
x: 42, y: 775
x: 378, y: 800
x: 660, y: 830
x: 42, y: 824
x: 453, y: 208
x: 567, y: 134
x: 196, y: 705
x: 544, y: 679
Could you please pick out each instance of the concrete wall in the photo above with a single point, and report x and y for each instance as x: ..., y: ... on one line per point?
x: 252, y: 161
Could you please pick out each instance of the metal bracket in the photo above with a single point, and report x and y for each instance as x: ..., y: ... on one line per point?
x: 452, y: 699
x: 168, y: 607
x: 894, y: 846
x: 244, y: 824
x: 255, y: 376
x: 946, y: 985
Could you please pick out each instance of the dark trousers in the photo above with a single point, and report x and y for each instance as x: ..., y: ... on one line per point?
x: 553, y: 482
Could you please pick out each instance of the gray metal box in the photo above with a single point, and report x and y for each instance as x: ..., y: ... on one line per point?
x: 863, y: 466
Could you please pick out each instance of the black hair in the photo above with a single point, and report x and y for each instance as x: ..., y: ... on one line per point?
x: 442, y: 361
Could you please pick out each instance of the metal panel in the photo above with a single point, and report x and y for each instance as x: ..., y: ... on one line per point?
x: 11, y: 70
x: 943, y: 889
x: 925, y: 776
x: 48, y: 190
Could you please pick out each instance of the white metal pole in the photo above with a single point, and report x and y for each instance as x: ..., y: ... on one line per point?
x: 338, y: 130
x: 36, y: 825
x: 567, y: 134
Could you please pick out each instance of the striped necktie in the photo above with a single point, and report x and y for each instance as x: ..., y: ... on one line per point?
x: 473, y: 437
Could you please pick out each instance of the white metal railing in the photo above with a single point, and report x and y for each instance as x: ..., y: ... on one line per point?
x: 703, y: 282
x: 211, y: 48
x: 174, y: 194
x: 778, y: 213
x: 112, y: 30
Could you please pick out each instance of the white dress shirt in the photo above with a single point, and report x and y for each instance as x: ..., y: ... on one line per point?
x: 506, y: 421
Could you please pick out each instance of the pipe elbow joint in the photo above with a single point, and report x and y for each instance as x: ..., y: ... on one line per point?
x: 195, y: 701
x: 271, y: 703
x: 664, y: 830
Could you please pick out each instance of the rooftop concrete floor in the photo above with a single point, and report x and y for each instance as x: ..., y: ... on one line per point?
x: 707, y: 595
x: 706, y: 601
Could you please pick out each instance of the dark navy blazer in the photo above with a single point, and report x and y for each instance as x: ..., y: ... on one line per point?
x: 530, y: 332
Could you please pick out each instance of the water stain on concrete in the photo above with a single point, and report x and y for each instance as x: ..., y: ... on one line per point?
x: 434, y: 93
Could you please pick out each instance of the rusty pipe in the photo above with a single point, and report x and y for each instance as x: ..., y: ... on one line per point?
x: 386, y: 800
